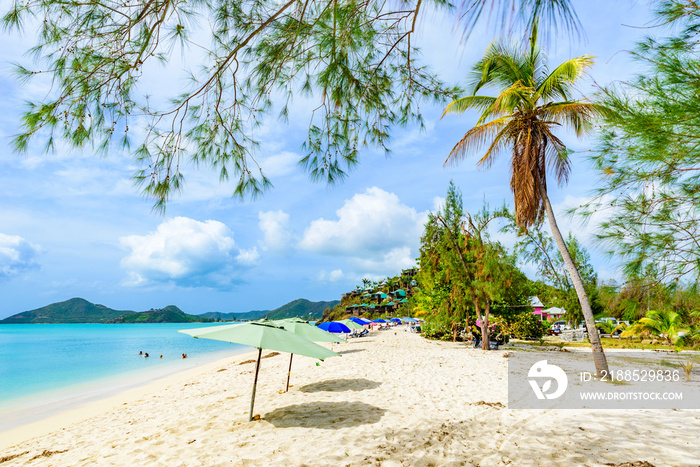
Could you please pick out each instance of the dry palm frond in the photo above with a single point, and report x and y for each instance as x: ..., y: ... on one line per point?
x: 476, y: 138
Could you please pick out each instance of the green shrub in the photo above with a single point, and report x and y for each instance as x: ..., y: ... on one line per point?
x: 433, y: 329
x: 527, y: 326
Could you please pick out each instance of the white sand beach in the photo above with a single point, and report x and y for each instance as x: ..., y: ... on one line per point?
x: 392, y: 399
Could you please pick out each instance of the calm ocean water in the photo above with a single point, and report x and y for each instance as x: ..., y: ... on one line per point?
x: 53, y: 361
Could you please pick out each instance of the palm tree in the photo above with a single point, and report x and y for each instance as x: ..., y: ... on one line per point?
x: 664, y: 323
x: 611, y: 327
x: 521, y: 119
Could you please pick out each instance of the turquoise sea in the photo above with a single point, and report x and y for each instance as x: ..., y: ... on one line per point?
x: 46, y: 367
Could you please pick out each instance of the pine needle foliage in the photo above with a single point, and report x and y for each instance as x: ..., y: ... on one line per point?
x: 356, y: 60
x: 463, y: 274
x: 649, y: 158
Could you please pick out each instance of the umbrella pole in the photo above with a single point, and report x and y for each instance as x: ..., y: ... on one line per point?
x: 255, y: 383
x: 289, y: 373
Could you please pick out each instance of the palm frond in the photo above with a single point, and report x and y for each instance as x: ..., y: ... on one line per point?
x: 521, y: 14
x: 556, y: 155
x: 463, y: 104
x: 576, y: 115
x: 525, y: 168
x: 518, y: 95
x: 500, y: 66
x: 475, y: 138
x: 500, y: 141
x: 559, y: 80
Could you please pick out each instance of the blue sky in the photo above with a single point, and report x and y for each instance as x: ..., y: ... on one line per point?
x: 73, y: 225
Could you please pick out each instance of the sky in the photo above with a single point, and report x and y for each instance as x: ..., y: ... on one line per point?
x: 73, y: 225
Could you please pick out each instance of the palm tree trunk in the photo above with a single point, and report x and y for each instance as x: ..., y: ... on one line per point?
x: 601, y: 364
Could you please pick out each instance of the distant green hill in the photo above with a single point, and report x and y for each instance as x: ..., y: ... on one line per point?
x: 169, y: 314
x: 301, y: 307
x: 79, y: 310
x: 75, y: 310
x: 250, y: 315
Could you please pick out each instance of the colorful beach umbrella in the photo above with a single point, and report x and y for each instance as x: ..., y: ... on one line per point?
x: 262, y: 336
x: 302, y: 328
x: 359, y: 321
x: 378, y: 320
x: 396, y: 320
x: 335, y: 326
x: 351, y: 324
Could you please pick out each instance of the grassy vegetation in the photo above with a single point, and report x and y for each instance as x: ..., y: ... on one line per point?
x: 611, y: 343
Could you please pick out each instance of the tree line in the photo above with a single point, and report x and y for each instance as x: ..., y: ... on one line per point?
x: 359, y: 62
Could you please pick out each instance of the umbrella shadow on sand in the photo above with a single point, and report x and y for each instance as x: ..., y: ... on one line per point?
x: 344, y: 352
x: 339, y: 385
x: 328, y: 415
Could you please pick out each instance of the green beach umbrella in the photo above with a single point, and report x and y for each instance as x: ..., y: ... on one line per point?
x: 302, y: 328
x: 262, y: 336
x: 351, y: 324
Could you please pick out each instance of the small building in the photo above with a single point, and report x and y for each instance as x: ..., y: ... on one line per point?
x: 538, y: 308
x: 379, y: 297
x: 554, y: 312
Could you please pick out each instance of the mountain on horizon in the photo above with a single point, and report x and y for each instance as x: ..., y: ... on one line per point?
x: 300, y: 307
x: 169, y: 314
x: 75, y: 310
x: 249, y: 315
x: 79, y: 310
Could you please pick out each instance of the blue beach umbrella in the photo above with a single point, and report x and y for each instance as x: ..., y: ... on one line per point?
x: 379, y: 320
x: 409, y: 320
x: 335, y: 326
x: 359, y: 320
x: 396, y: 320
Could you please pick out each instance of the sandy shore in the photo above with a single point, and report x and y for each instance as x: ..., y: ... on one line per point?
x: 392, y: 399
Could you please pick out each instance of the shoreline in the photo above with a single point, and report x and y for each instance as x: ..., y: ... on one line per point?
x: 391, y: 399
x: 45, y: 413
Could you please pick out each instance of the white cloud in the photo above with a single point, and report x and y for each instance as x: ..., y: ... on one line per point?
x: 17, y: 255
x: 373, y: 229
x: 333, y: 276
x: 391, y: 262
x: 248, y: 257
x: 185, y: 252
x: 438, y: 203
x: 275, y: 228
